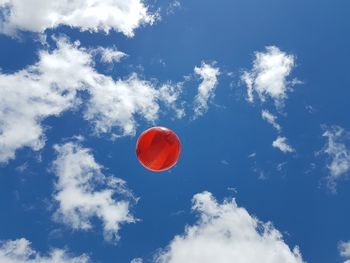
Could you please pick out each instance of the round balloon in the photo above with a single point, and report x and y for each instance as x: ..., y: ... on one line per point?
x: 158, y: 149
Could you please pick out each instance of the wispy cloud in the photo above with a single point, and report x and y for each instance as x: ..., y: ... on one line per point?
x: 206, y: 89
x: 272, y: 119
x: 337, y: 149
x: 109, y: 55
x: 282, y: 144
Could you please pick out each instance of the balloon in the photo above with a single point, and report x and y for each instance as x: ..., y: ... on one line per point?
x: 158, y: 149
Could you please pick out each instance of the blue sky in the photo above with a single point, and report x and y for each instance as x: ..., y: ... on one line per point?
x: 76, y: 90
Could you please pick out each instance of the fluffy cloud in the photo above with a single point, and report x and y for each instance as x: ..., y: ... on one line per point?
x: 94, y: 15
x: 282, y: 144
x: 226, y: 233
x: 83, y: 192
x: 206, y: 89
x: 268, y: 77
x: 337, y: 149
x: 20, y: 251
x: 114, y: 104
x: 52, y: 85
x: 344, y: 250
x: 270, y: 118
x: 44, y: 89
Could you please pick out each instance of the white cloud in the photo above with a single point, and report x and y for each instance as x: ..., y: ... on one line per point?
x: 94, y: 15
x: 169, y: 94
x: 338, y: 151
x: 109, y: 54
x: 252, y: 155
x: 114, y: 104
x: 270, y: 118
x: 268, y: 77
x: 226, y: 233
x: 44, y: 89
x: 136, y: 260
x: 20, y: 251
x: 282, y: 144
x: 51, y: 86
x: 83, y: 192
x: 344, y: 249
x: 206, y: 89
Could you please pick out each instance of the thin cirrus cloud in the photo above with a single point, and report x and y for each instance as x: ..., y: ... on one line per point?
x: 52, y: 85
x: 338, y: 150
x: 268, y: 77
x: 226, y: 232
x: 206, y: 89
x: 118, y: 15
x: 20, y: 251
x: 281, y: 143
x: 78, y: 176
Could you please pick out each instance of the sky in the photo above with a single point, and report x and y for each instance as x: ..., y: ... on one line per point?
x: 257, y: 91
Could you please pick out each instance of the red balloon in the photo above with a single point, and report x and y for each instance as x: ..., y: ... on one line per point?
x: 158, y: 149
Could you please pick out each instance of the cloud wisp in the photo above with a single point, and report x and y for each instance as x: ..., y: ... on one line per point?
x: 109, y: 55
x: 338, y: 150
x: 206, y: 89
x: 272, y: 119
x: 282, y: 144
